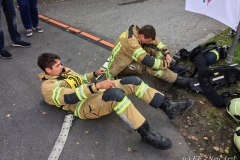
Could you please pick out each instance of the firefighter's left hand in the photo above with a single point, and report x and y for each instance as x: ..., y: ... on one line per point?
x: 100, y: 71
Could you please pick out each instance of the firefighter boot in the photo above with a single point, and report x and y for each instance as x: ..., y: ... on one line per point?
x: 153, y: 138
x: 178, y: 68
x: 174, y: 108
x: 183, y: 81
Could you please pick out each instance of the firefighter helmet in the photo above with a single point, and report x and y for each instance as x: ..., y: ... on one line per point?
x: 223, y: 51
x: 234, y: 109
x: 236, y: 138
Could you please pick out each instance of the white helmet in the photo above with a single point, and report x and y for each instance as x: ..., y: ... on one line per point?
x: 236, y: 138
x: 234, y: 109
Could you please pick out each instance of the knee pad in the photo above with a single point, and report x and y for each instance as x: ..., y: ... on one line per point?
x: 131, y: 80
x: 113, y: 94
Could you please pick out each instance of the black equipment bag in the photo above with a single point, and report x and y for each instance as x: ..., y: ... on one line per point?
x: 210, y: 79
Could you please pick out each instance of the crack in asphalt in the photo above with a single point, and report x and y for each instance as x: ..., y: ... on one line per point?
x: 132, y: 2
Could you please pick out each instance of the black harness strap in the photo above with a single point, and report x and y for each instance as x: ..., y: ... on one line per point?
x: 205, y: 83
x: 130, y: 31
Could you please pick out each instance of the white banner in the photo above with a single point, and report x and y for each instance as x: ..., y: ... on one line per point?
x: 225, y: 11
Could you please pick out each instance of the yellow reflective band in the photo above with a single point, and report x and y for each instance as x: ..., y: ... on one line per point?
x: 77, y: 110
x: 160, y: 45
x: 159, y: 55
x: 137, y: 53
x: 123, y: 35
x: 216, y: 53
x: 159, y: 73
x: 141, y: 90
x: 58, y: 82
x: 80, y: 93
x: 157, y: 64
x: 55, y: 96
x: 216, y: 73
x: 122, y: 105
x: 85, y: 79
x: 114, y: 52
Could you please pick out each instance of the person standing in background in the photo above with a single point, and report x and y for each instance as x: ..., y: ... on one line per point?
x: 29, y: 15
x: 10, y: 14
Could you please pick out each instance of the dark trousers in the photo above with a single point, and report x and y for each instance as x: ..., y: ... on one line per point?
x: 29, y: 13
x: 10, y: 14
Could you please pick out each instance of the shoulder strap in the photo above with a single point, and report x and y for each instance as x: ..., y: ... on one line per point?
x: 208, y: 47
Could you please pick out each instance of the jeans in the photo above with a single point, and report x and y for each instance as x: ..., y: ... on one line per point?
x: 29, y: 13
x: 10, y: 14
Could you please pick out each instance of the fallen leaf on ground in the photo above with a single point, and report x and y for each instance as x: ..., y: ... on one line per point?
x: 205, y: 138
x: 201, y: 102
x: 213, y: 138
x: 129, y: 149
x: 205, y: 156
x: 77, y: 143
x: 216, y: 148
x: 86, y: 132
x: 44, y: 113
x: 8, y: 115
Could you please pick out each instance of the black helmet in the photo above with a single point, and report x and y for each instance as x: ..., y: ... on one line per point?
x: 223, y: 51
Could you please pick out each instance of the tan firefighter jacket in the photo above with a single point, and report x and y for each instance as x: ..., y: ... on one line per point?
x: 66, y: 90
x: 128, y: 49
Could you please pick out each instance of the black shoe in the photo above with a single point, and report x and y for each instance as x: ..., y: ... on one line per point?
x: 178, y: 68
x: 21, y: 44
x: 183, y: 81
x: 5, y: 54
x: 153, y: 138
x: 174, y: 108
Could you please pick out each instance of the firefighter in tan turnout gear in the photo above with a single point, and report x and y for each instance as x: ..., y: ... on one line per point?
x: 87, y: 99
x: 137, y: 50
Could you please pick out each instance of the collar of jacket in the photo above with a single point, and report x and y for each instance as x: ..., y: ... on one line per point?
x: 44, y: 76
x: 135, y: 32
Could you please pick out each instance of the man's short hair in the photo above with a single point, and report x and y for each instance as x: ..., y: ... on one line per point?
x: 47, y: 60
x: 148, y: 31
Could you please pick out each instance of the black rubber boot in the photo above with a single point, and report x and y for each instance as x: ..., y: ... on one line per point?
x: 174, y: 108
x: 183, y: 81
x: 153, y: 138
x: 178, y: 68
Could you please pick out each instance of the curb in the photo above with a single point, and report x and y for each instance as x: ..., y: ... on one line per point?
x: 87, y: 36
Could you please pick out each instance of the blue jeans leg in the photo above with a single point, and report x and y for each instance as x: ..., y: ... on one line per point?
x: 24, y: 8
x: 29, y: 13
x: 2, y: 46
x: 34, y: 12
x: 11, y: 18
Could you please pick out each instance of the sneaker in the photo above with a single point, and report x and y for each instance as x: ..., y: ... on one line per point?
x: 38, y: 29
x: 28, y: 32
x: 21, y: 44
x: 5, y: 54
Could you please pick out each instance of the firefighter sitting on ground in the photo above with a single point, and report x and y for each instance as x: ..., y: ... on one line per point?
x: 137, y: 50
x: 79, y: 94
